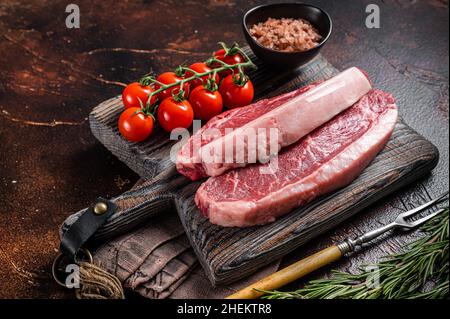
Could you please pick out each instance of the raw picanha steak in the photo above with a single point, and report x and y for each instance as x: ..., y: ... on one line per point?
x: 290, y: 117
x: 327, y: 159
x: 189, y: 166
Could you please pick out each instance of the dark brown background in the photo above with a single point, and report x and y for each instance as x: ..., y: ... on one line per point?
x: 51, y: 77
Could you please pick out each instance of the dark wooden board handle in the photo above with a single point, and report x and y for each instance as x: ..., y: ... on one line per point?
x: 137, y: 205
x: 228, y: 254
x: 151, y: 160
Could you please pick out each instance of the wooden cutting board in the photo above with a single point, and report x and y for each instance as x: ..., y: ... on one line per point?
x: 228, y: 254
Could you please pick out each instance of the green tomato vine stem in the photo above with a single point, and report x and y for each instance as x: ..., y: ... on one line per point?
x: 196, y: 75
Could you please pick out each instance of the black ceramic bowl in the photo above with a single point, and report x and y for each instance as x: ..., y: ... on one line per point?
x: 318, y: 18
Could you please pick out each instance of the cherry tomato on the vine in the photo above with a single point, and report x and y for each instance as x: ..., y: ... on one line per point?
x: 173, y: 114
x: 206, y: 104
x: 230, y: 59
x: 235, y: 95
x: 135, y: 92
x: 200, y: 67
x: 169, y: 78
x: 134, y: 125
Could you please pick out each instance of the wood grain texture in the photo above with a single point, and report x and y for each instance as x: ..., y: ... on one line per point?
x: 50, y: 75
x: 151, y: 157
x: 228, y: 254
x: 137, y: 206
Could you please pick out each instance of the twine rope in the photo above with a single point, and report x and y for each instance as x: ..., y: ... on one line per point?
x: 97, y: 283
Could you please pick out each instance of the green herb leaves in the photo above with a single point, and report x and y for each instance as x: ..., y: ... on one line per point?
x: 422, y: 271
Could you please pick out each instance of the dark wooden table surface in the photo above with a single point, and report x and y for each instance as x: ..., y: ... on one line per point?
x: 51, y: 77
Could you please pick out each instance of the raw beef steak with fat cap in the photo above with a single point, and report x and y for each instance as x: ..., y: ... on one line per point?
x: 329, y: 158
x: 290, y: 117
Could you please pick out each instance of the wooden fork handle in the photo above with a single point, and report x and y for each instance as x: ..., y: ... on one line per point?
x: 289, y: 274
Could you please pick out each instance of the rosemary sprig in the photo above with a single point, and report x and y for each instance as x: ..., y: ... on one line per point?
x: 421, y: 271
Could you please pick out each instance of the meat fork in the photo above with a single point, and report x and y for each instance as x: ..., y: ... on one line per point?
x: 333, y: 253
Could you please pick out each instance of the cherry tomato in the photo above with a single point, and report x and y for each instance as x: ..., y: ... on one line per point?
x: 199, y: 67
x: 135, y: 92
x: 134, y: 125
x: 169, y: 78
x: 205, y: 103
x: 235, y: 95
x: 173, y: 114
x: 229, y: 59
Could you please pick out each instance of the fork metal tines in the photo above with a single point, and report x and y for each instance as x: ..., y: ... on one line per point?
x: 400, y: 222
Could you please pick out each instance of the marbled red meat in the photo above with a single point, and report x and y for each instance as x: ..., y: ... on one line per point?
x: 327, y: 159
x: 233, y: 118
x: 271, y: 124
